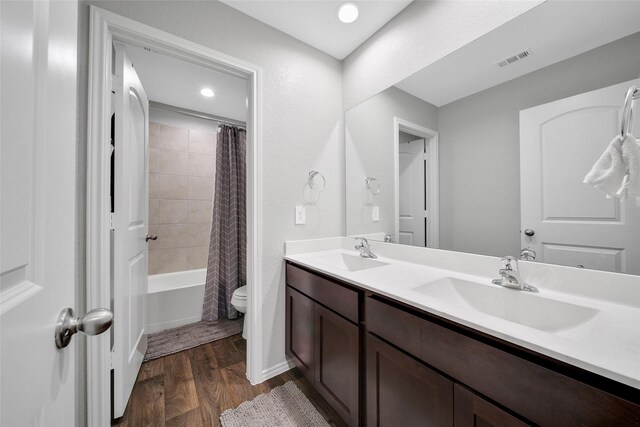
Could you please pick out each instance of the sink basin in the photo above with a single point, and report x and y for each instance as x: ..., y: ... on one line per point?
x: 515, y: 306
x: 348, y: 262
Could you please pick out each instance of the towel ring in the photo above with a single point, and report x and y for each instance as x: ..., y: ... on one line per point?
x: 627, y: 111
x: 372, y: 185
x: 312, y: 181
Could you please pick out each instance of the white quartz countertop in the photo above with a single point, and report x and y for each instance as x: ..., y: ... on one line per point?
x: 608, y: 343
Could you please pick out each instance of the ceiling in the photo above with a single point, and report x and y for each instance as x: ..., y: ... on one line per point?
x: 553, y: 31
x: 178, y: 83
x: 316, y: 23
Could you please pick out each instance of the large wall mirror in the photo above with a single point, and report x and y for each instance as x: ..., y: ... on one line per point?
x: 486, y: 150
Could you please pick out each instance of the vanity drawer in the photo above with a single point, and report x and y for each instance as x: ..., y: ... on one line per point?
x: 537, y: 393
x: 334, y: 296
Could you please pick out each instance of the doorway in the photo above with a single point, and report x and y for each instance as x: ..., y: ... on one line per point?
x: 412, y: 196
x: 106, y: 30
x: 416, y: 185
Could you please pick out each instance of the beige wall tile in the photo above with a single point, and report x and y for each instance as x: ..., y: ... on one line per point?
x: 153, y: 211
x: 167, y: 260
x: 202, y: 142
x: 200, y: 188
x: 201, y: 165
x: 173, y: 162
x: 168, y: 137
x: 173, y: 187
x: 181, y: 170
x: 197, y: 257
x: 153, y: 160
x: 173, y: 211
x: 153, y: 186
x: 200, y: 211
x: 198, y: 235
x: 169, y: 236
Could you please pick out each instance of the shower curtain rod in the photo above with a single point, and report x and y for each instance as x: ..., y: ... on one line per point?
x: 187, y: 112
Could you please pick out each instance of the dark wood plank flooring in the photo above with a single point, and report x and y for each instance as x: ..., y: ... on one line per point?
x: 193, y: 387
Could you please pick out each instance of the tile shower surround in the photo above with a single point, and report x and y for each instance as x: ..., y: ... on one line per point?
x: 181, y: 171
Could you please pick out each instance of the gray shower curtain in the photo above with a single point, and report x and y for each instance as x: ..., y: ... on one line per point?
x: 227, y: 264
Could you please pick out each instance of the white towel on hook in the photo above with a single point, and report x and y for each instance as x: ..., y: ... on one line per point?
x: 617, y: 171
x: 630, y: 187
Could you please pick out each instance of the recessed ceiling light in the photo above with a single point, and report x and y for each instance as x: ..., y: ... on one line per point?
x: 348, y: 12
x: 207, y: 92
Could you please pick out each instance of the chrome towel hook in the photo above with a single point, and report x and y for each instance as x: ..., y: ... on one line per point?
x: 372, y: 185
x: 627, y: 111
x: 312, y: 188
x: 315, y: 185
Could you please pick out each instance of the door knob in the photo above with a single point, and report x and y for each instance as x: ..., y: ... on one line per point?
x: 148, y: 237
x: 529, y: 232
x: 94, y: 322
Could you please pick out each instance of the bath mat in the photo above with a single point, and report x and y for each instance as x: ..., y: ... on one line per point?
x: 185, y: 337
x: 284, y: 406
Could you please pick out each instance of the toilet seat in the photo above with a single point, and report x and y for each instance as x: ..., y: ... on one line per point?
x: 239, y: 299
x: 239, y: 302
x: 241, y: 292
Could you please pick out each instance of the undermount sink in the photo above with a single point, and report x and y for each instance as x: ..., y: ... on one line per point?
x: 349, y: 262
x: 512, y: 305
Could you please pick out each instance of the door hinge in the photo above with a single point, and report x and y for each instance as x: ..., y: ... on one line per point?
x: 425, y: 156
x: 111, y: 360
x: 112, y: 221
x: 426, y: 215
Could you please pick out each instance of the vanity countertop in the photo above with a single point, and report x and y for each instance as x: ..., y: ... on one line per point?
x: 606, y: 341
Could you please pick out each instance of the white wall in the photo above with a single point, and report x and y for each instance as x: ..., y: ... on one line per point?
x: 479, y: 145
x: 302, y: 127
x: 421, y: 34
x: 370, y: 153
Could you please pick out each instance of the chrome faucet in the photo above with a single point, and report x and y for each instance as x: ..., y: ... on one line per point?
x: 510, y: 276
x: 362, y: 245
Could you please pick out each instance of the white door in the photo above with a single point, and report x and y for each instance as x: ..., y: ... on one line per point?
x: 575, y: 224
x: 38, y: 210
x: 411, y: 193
x: 130, y: 226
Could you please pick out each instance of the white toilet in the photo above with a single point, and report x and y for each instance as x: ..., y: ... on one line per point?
x: 239, y: 302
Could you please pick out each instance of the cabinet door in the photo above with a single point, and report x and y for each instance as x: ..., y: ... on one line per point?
x: 473, y: 411
x: 300, y: 331
x: 337, y: 372
x: 403, y: 392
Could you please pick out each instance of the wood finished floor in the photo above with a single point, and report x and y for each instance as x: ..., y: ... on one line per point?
x: 193, y: 387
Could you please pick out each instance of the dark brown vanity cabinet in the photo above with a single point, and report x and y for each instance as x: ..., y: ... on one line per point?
x: 496, y: 383
x: 423, y: 370
x: 471, y: 410
x: 322, y: 341
x: 402, y: 391
x: 300, y: 331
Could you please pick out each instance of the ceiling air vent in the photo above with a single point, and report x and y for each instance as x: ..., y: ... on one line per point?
x: 513, y: 58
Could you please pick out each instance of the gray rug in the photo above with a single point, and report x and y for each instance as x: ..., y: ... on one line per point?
x: 284, y: 406
x: 189, y: 336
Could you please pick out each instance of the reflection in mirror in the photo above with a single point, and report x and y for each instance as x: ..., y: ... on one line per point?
x: 486, y: 150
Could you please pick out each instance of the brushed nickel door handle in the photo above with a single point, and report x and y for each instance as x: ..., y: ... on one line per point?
x: 94, y: 322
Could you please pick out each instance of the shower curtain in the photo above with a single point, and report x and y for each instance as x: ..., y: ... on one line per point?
x: 227, y: 264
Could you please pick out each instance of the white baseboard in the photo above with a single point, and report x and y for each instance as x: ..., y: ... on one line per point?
x: 277, y: 369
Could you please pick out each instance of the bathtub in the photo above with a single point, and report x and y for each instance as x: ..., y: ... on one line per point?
x: 175, y: 299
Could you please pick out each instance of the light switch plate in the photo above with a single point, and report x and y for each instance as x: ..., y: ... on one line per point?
x: 301, y: 216
x: 375, y: 213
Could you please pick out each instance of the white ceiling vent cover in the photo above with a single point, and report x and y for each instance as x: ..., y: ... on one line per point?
x: 513, y: 58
